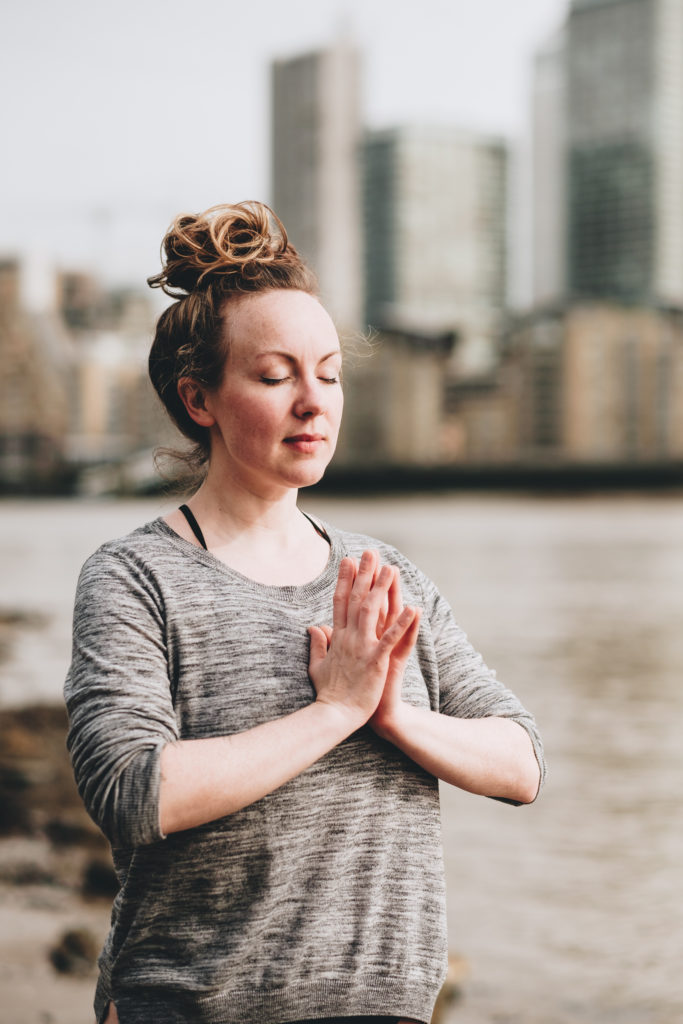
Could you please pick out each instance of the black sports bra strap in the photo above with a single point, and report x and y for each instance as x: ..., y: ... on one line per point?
x: 196, y: 529
x: 317, y: 527
x: 194, y: 525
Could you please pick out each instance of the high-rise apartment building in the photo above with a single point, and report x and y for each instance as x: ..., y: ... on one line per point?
x: 612, y: 127
x: 435, y: 233
x: 549, y: 172
x: 316, y: 130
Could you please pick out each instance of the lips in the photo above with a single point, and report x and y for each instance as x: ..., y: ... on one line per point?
x: 305, y: 443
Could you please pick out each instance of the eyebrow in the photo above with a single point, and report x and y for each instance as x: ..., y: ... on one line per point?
x: 291, y: 359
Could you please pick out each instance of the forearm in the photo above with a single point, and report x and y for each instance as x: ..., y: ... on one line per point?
x: 488, y: 756
x: 206, y: 779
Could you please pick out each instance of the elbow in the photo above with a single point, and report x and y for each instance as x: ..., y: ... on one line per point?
x: 520, y: 794
x: 124, y: 801
x: 528, y: 793
x: 529, y: 784
x: 530, y: 768
x: 523, y: 787
x: 129, y: 829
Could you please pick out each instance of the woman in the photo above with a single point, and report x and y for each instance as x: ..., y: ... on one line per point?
x: 261, y: 705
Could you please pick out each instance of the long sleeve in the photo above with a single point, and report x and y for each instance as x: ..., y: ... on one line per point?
x: 467, y: 687
x: 118, y: 697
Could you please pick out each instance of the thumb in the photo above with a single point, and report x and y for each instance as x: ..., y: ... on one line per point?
x: 318, y: 648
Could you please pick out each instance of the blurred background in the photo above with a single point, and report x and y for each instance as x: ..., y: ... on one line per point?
x: 492, y: 193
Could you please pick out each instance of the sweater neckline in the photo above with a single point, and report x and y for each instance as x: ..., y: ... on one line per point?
x: 288, y: 591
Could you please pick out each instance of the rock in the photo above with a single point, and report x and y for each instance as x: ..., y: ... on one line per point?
x: 37, y: 788
x: 28, y: 873
x: 73, y: 828
x: 14, y: 813
x: 75, y: 953
x: 451, y: 991
x: 99, y: 879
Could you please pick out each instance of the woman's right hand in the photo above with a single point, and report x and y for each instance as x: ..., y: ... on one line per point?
x: 348, y: 664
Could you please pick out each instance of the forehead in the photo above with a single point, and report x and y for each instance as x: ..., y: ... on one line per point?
x: 278, y: 320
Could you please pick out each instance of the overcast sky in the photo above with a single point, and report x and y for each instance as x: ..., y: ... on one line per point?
x: 118, y: 115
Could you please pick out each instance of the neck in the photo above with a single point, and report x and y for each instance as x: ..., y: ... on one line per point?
x: 232, y: 509
x: 261, y: 534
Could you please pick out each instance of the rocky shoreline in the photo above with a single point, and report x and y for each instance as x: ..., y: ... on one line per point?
x: 56, y: 875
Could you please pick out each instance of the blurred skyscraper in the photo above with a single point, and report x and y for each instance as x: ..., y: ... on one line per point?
x: 435, y: 235
x: 549, y: 186
x: 316, y: 130
x: 36, y: 359
x: 597, y: 382
x: 609, y: 154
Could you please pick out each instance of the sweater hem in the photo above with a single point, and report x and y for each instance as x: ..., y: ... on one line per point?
x: 362, y: 995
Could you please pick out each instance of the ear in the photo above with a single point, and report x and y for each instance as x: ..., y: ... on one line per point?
x: 193, y: 398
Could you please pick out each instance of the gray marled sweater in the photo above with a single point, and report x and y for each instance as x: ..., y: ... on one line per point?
x: 326, y: 897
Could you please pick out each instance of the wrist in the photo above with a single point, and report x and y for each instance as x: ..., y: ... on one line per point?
x: 340, y: 719
x: 391, y: 724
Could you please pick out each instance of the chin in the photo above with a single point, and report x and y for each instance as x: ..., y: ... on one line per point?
x: 310, y: 479
x: 307, y: 476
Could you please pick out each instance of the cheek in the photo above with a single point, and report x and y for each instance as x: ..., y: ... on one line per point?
x: 338, y: 405
x: 251, y: 416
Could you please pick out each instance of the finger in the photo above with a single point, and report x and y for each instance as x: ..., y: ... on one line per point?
x: 391, y: 605
x: 327, y: 630
x: 342, y: 592
x: 318, y: 648
x: 404, y: 647
x: 395, y: 601
x: 362, y: 586
x: 373, y: 608
x: 382, y: 617
x: 395, y: 633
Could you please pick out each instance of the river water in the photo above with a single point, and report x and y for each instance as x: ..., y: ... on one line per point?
x: 571, y: 910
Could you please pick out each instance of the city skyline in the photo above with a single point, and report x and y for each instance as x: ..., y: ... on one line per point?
x: 608, y: 155
x: 588, y: 375
x: 126, y: 122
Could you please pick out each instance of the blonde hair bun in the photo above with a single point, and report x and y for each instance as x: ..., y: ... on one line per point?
x: 237, y: 241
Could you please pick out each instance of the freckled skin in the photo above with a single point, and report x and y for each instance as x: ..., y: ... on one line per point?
x: 281, y: 382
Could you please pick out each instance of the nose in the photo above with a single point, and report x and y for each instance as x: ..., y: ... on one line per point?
x: 309, y: 400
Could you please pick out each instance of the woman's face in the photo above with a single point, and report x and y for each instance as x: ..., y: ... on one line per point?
x: 277, y: 412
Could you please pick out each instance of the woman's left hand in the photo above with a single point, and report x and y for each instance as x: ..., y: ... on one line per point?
x: 390, y: 704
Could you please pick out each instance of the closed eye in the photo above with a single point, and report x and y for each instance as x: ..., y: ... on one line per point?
x: 272, y: 381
